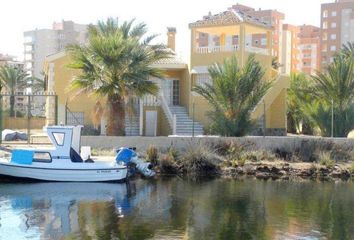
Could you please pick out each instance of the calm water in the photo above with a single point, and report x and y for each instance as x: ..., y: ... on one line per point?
x: 177, y: 209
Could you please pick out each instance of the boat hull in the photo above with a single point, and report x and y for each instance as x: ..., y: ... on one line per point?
x: 64, y: 175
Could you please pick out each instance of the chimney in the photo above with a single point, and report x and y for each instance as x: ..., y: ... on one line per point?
x: 171, y: 38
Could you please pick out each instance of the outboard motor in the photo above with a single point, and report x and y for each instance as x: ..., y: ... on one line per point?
x: 129, y: 156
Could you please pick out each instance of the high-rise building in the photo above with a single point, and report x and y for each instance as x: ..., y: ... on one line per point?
x: 40, y: 43
x: 337, y: 28
x: 309, y: 47
x: 290, y: 51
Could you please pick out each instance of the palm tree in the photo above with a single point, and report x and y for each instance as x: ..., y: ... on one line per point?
x: 297, y: 98
x: 348, y: 49
x: 234, y: 93
x: 335, y: 87
x: 13, y: 78
x: 116, y: 64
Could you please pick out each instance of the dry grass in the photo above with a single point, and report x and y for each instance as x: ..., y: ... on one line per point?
x: 351, y: 168
x: 326, y: 160
x: 167, y: 164
x: 152, y: 155
x: 200, y: 161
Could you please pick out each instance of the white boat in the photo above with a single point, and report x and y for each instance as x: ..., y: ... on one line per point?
x: 62, y: 163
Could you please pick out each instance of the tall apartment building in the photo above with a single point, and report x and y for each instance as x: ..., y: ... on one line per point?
x: 290, y: 49
x: 272, y: 17
x: 337, y: 28
x: 40, y: 43
x: 309, y: 47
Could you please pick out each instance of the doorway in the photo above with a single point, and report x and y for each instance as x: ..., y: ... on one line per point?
x: 151, y: 123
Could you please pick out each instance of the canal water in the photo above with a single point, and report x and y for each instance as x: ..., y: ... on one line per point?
x: 173, y: 208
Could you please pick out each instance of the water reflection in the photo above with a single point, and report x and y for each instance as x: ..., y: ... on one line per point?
x: 177, y: 209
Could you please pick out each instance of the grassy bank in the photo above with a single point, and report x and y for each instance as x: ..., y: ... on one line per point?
x: 313, y: 159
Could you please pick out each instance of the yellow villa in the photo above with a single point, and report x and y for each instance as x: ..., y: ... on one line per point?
x: 161, y: 115
x: 177, y: 110
x: 229, y: 33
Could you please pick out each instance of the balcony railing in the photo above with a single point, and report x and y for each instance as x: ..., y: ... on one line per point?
x: 231, y: 48
x: 150, y: 100
x: 215, y: 49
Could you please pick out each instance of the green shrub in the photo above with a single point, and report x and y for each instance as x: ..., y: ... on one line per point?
x: 174, y: 153
x: 326, y: 160
x: 152, y: 154
x: 241, y: 161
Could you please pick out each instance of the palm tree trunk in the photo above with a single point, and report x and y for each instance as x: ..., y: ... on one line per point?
x: 116, y: 116
x: 12, y: 106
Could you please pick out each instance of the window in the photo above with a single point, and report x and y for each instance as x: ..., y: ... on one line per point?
x: 325, y: 14
x: 333, y: 48
x: 307, y: 55
x: 334, y: 14
x: 263, y: 41
x: 333, y: 36
x: 42, y: 157
x: 175, y: 94
x: 59, y: 138
x: 325, y: 25
x: 333, y: 25
x: 202, y: 79
x: 256, y: 42
x: 324, y: 48
x: 324, y: 36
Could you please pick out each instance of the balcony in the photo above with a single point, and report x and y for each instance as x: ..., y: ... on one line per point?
x: 231, y: 48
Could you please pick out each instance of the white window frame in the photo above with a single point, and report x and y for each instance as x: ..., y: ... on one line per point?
x: 325, y: 14
x: 325, y: 25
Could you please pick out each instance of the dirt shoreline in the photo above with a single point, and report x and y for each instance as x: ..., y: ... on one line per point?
x: 286, y: 170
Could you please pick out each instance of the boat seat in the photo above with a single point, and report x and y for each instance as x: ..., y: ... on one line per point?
x: 75, y: 157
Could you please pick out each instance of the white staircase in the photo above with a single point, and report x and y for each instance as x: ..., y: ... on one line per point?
x: 131, y: 125
x: 132, y: 119
x: 184, y: 124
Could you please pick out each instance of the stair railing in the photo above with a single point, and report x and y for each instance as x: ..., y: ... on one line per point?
x: 172, y: 119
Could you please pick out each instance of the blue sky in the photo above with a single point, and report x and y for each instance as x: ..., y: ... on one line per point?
x: 18, y: 16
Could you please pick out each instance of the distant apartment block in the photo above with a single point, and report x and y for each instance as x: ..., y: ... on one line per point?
x: 337, y: 28
x: 290, y: 51
x: 40, y: 43
x: 309, y: 47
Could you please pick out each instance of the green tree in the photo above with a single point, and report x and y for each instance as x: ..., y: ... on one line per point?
x: 348, y: 49
x: 234, y: 93
x: 13, y: 78
x: 116, y: 64
x: 334, y: 87
x: 298, y: 121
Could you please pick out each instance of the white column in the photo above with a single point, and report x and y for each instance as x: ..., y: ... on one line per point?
x: 141, y: 117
